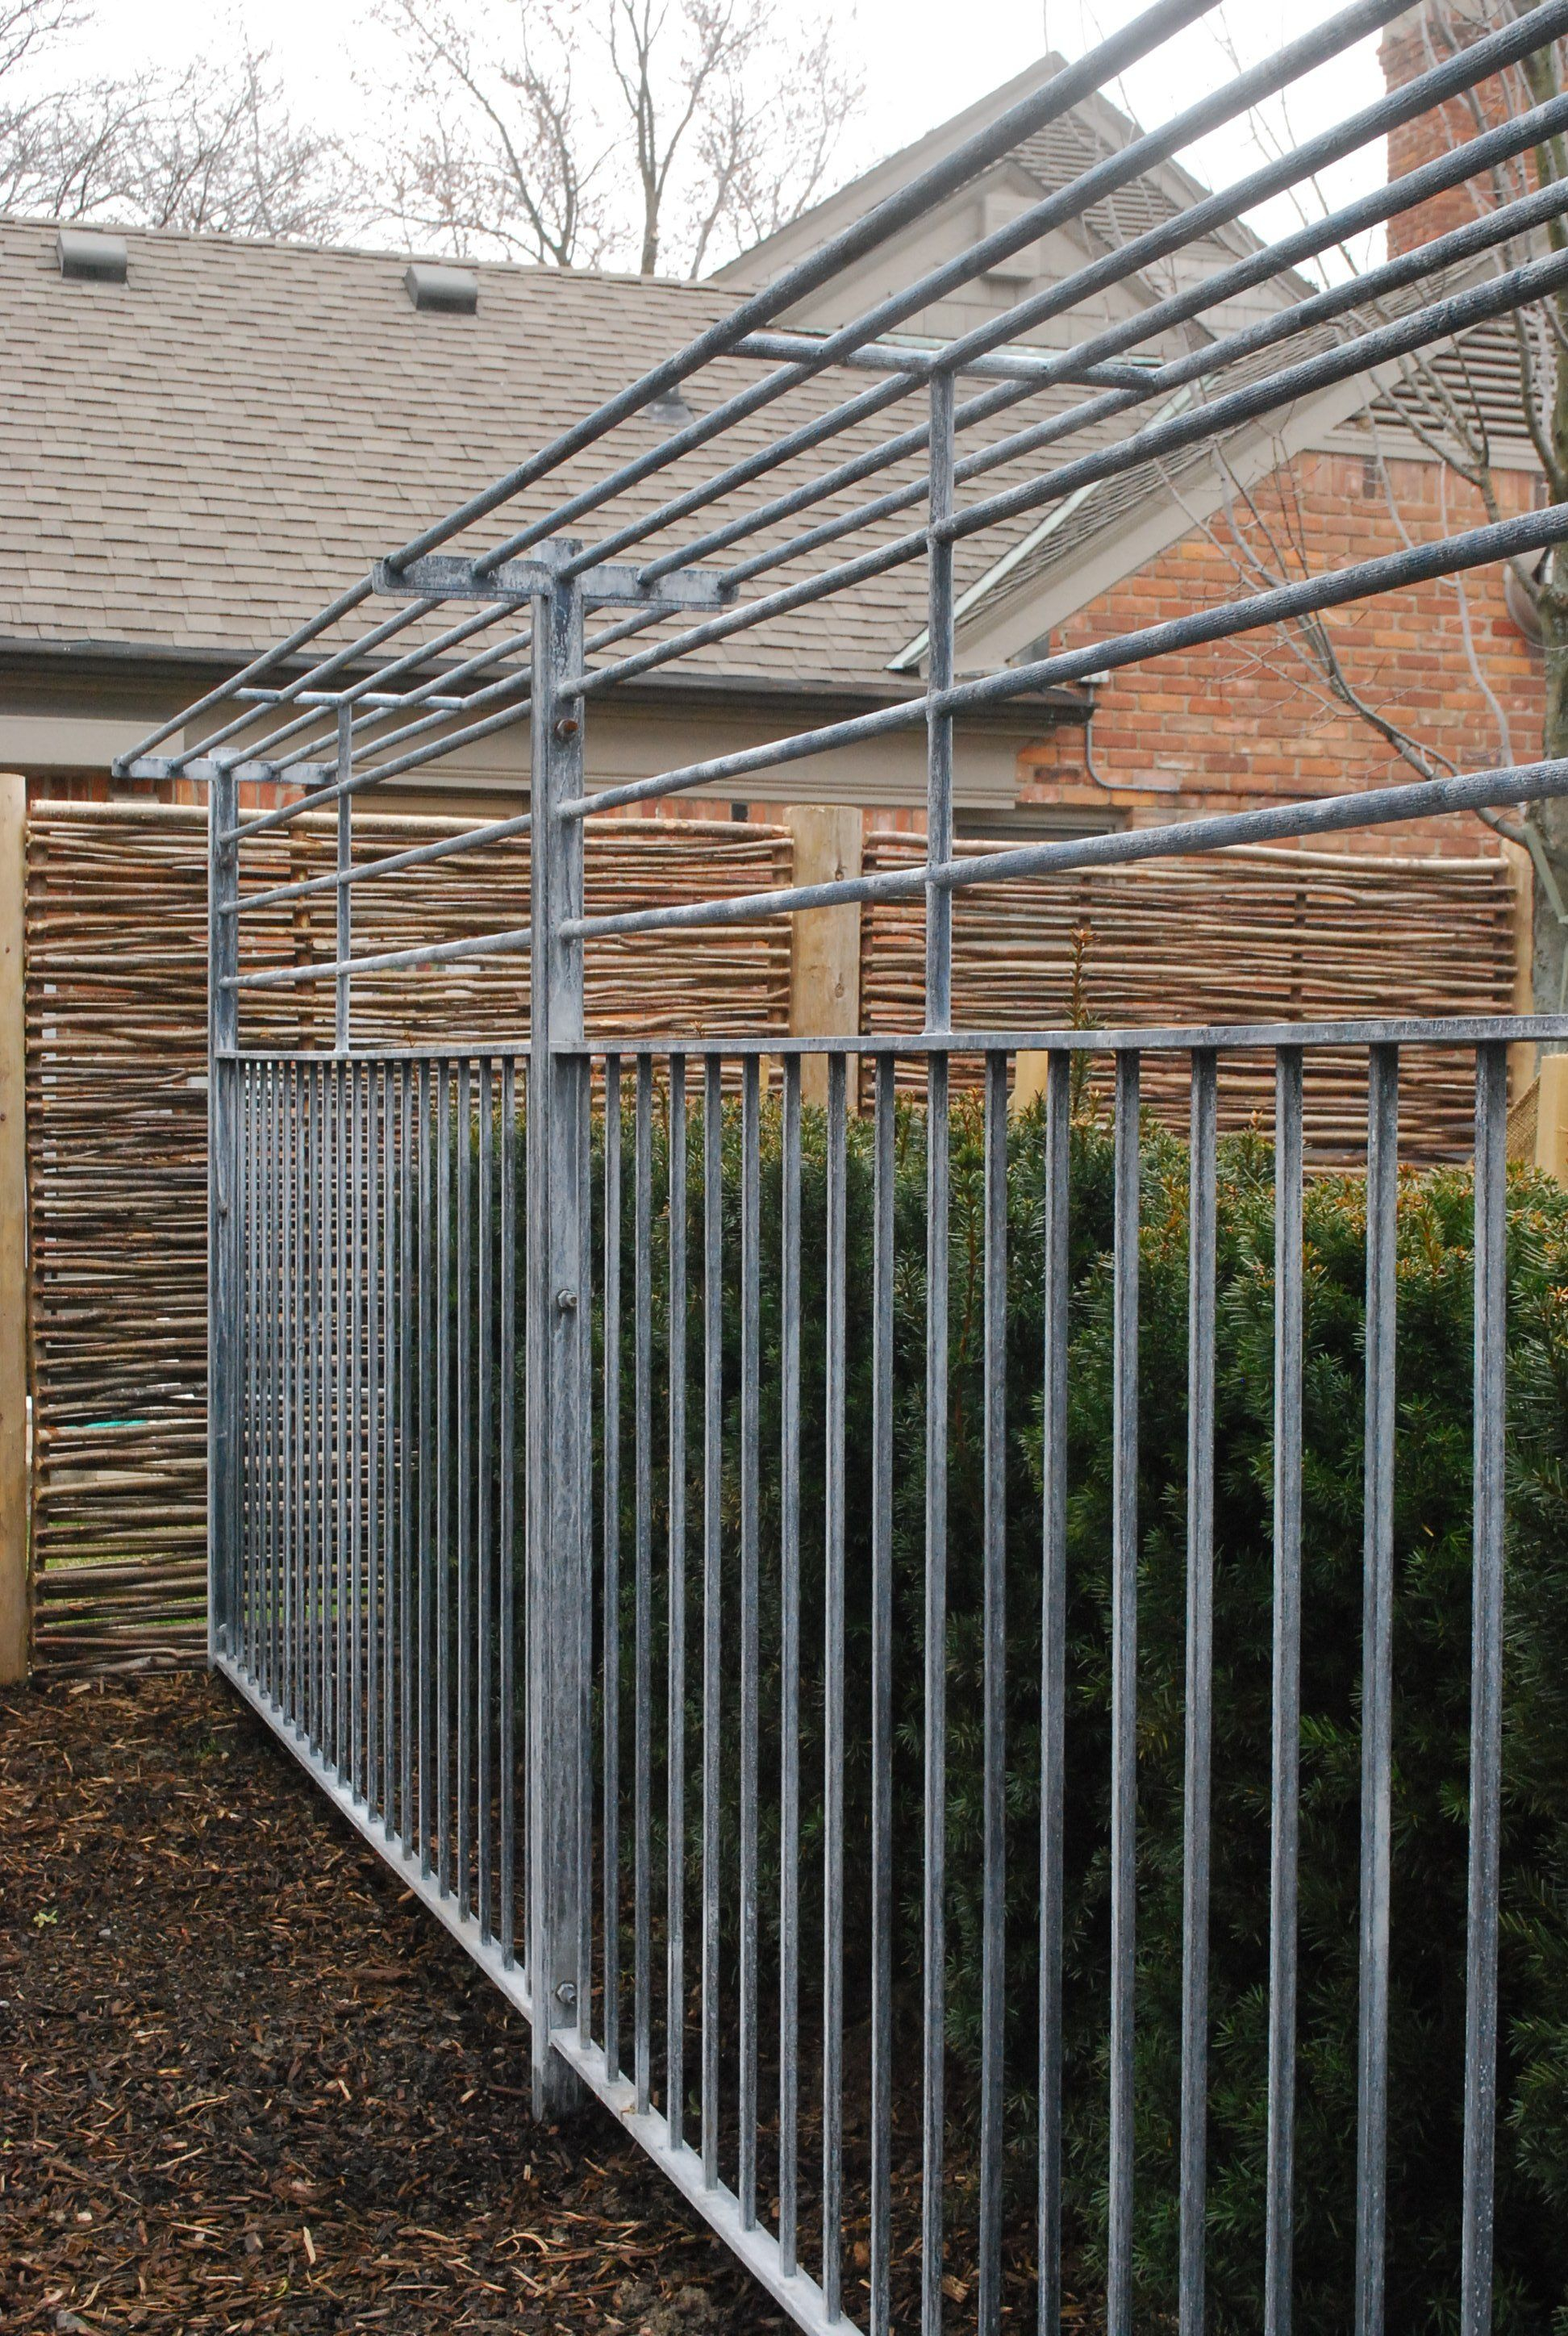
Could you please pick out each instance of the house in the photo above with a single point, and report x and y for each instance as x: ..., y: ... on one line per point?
x: 201, y: 449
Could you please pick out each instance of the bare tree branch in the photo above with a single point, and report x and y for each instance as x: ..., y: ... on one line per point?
x: 657, y: 134
x: 216, y: 148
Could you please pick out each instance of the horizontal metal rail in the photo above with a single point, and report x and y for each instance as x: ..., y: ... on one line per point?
x: 1420, y: 563
x: 1335, y: 815
x: 418, y: 855
x: 1178, y: 1038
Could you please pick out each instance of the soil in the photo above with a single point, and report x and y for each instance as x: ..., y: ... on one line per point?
x: 248, y: 2084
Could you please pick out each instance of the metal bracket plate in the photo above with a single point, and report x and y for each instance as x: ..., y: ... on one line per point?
x: 611, y: 585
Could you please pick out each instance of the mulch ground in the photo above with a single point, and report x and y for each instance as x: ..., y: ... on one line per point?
x: 245, y: 2083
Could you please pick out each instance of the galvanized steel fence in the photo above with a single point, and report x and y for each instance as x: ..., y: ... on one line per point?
x: 491, y: 1365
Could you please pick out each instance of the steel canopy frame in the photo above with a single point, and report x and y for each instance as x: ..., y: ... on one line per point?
x: 416, y: 1531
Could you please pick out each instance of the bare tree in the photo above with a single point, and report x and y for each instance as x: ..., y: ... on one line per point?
x: 507, y: 158
x: 215, y: 147
x: 1441, y: 402
x: 220, y: 150
x: 576, y: 132
x: 29, y: 31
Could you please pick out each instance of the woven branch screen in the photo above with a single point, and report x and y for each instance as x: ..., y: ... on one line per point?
x: 116, y: 1091
x: 1259, y: 934
x: 116, y: 1108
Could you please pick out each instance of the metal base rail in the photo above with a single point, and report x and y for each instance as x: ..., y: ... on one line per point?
x: 758, y: 2250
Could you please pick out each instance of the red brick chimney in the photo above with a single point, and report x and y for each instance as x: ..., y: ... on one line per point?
x: 1415, y: 42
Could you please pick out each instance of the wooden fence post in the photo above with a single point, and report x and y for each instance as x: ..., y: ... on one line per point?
x: 825, y: 950
x: 1552, y: 1117
x: 1522, y: 1059
x: 14, y: 1308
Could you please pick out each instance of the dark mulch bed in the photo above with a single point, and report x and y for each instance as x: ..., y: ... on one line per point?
x: 245, y: 2083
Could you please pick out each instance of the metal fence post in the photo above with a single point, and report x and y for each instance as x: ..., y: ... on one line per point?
x: 558, y: 1344
x: 222, y: 1222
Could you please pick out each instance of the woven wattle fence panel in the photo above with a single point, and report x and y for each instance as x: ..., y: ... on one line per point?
x: 116, y: 1014
x: 116, y: 1105
x: 1256, y: 935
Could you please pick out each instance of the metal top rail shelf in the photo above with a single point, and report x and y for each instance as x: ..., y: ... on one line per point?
x: 461, y: 632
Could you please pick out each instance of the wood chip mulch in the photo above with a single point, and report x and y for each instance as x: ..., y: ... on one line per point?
x: 247, y: 2084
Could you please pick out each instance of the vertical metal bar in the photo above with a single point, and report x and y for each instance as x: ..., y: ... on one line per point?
x: 426, y: 1470
x: 275, y: 1378
x: 392, y: 1483
x: 1491, y: 1314
x: 279, y: 1329
x: 252, y: 1337
x: 675, y: 2028
x: 373, y: 1337
x: 296, y: 1430
x: 712, y: 1592
x: 506, y: 1685
x: 1053, y: 1683
x: 288, y: 1173
x: 610, y: 1438
x: 993, y: 1948
x: 933, y: 1949
x: 642, y: 1717
x: 577, y: 1614
x: 484, y: 1527
x: 280, y: 1389
x: 274, y: 1413
x: 345, y: 892
x: 266, y: 1213
x: 286, y: 1405
x: 939, y: 725
x: 225, y: 1110
x: 246, y: 1425
x: 355, y: 1439
x: 1287, y: 1716
x: 249, y: 1317
x: 1200, y: 1677
x: 319, y: 1297
x: 463, y: 1338
x: 789, y: 1666
x: 750, y: 1432
x: 939, y: 612
x: 1124, y: 1695
x: 286, y: 1386
x: 1377, y: 1683
x: 833, y: 1699
x: 882, y: 1810
x: 342, y: 1418
x: 317, y: 1171
x: 303, y: 1391
x: 407, y: 1478
x: 560, y: 1599
x: 242, y: 1362
x: 444, y: 1487
x: 258, y: 1273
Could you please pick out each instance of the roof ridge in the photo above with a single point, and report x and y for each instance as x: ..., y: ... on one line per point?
x: 392, y: 255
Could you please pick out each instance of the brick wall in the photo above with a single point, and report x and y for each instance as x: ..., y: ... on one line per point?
x: 1252, y: 721
x: 1412, y: 46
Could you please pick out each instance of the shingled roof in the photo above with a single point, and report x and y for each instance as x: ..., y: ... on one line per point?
x: 191, y: 460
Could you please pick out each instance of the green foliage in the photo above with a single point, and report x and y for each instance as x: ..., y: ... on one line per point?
x: 1431, y: 1661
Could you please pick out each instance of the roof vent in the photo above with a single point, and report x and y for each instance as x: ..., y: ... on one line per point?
x: 96, y: 258
x: 452, y: 290
x: 669, y: 410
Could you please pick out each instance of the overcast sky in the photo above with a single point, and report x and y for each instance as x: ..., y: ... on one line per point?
x: 924, y: 60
